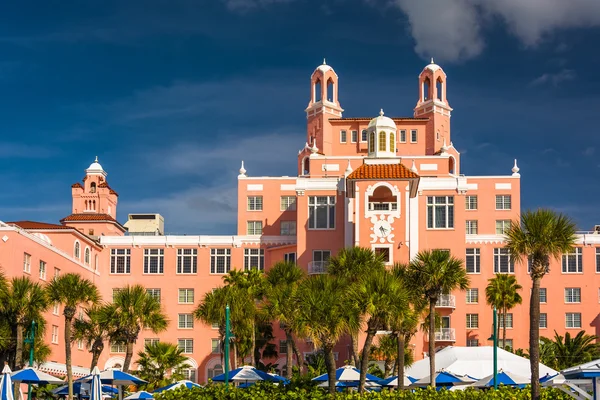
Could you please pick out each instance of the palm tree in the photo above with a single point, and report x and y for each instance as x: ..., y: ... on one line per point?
x: 354, y: 264
x: 502, y: 292
x: 386, y: 350
x: 161, y: 364
x: 132, y: 310
x: 539, y: 236
x: 94, y: 330
x: 282, y: 282
x: 325, y: 314
x: 433, y: 272
x: 71, y: 290
x: 570, y: 351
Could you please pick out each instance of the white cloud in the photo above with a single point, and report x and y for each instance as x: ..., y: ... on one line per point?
x: 554, y: 78
x: 589, y: 151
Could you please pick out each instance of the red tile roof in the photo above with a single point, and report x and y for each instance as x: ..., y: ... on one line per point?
x: 77, y: 185
x: 88, y: 217
x: 382, y: 171
x: 110, y: 190
x: 37, y: 225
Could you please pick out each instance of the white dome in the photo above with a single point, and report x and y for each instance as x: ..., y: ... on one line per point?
x: 324, y: 67
x: 382, y: 122
x: 95, y: 168
x: 432, y: 66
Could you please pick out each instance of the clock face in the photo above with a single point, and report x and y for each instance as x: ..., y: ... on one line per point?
x: 382, y: 228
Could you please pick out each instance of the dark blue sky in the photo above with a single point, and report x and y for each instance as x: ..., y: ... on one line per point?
x: 171, y: 95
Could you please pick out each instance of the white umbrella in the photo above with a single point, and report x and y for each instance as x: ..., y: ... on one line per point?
x: 36, y: 377
x: 139, y: 396
x: 96, y: 385
x: 6, y: 387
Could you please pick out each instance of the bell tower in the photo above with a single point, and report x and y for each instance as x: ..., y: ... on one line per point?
x: 94, y: 196
x: 433, y: 104
x: 323, y: 105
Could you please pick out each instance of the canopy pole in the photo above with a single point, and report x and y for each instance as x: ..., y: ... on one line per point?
x: 226, y: 345
x: 496, y: 348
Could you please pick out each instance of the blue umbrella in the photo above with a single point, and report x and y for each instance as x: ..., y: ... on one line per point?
x: 31, y: 375
x: 442, y: 379
x: 548, y: 377
x: 6, y: 387
x: 347, y: 373
x: 503, y: 378
x: 177, y: 385
x: 96, y: 385
x: 139, y: 395
x: 392, y: 381
x: 82, y: 389
x: 248, y: 373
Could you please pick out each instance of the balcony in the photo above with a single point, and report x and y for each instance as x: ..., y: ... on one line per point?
x: 383, y: 206
x: 446, y: 301
x: 317, y: 267
x: 445, y: 335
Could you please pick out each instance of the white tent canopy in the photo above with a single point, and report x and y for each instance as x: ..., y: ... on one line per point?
x: 476, y: 362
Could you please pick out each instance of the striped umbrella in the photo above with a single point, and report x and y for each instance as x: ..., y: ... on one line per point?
x: 347, y: 373
x: 503, y: 378
x: 6, y: 386
x: 248, y: 373
x: 33, y: 376
x: 96, y: 385
x: 177, y: 385
x: 139, y: 395
x: 392, y: 381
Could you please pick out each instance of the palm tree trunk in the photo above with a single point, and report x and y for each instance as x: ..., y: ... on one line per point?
x: 288, y: 354
x: 128, y: 355
x: 400, y: 359
x: 299, y: 358
x: 534, y: 337
x: 354, y: 360
x: 364, y: 359
x: 330, y: 364
x: 19, y: 350
x: 504, y: 328
x: 255, y: 354
x: 68, y: 324
x: 432, y: 342
x: 388, y: 365
x: 235, y: 357
x: 97, y: 348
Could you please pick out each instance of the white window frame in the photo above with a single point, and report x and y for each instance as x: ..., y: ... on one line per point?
x: 182, y: 255
x: 544, y: 320
x: 77, y: 250
x: 287, y: 203
x: 390, y: 249
x: 343, y: 136
x: 252, y: 227
x: 56, y: 309
x: 353, y: 136
x: 502, y: 225
x: 56, y: 272
x: 577, y: 257
x: 471, y: 226
x: 289, y: 257
x: 571, y: 319
x: 27, y: 263
x: 287, y: 228
x: 402, y: 135
x: 151, y: 341
x: 472, y: 296
x: 545, y: 297
x: 118, y: 255
x: 157, y: 255
x: 254, y: 203
x: 215, y: 346
x: 572, y: 295
x: 254, y: 258
x: 471, y: 202
x: 504, y: 345
x: 186, y: 345
x: 79, y: 344
x: 364, y: 136
x: 54, y: 334
x: 87, y: 255
x: 472, y: 321
x: 503, y: 202
x: 185, y: 321
x: 472, y: 342
x: 433, y: 205
x: 476, y: 254
x: 509, y: 320
x: 414, y: 135
x: 43, y: 271
x: 220, y: 261
x: 314, y: 207
x: 154, y: 293
x: 282, y: 346
x: 185, y: 293
x: 499, y: 254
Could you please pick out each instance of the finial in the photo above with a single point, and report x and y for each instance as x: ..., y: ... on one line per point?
x: 444, y: 147
x: 516, y: 169
x: 242, y: 169
x: 432, y: 60
x: 349, y: 168
x: 414, y: 167
x: 314, y: 147
x: 381, y: 112
x: 324, y: 61
x: 96, y: 160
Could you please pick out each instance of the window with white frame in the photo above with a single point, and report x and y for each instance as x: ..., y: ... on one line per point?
x: 573, y: 295
x: 43, y: 270
x: 27, y: 263
x: 471, y: 342
x: 118, y: 347
x: 384, y: 252
x: 79, y: 344
x: 502, y: 226
x: 440, y: 212
x: 543, y: 295
x: 56, y: 272
x: 154, y: 293
x: 471, y: 226
x: 543, y: 320
x: 503, y: 202
x: 287, y: 228
x: 120, y: 261
x: 54, y: 334
x: 363, y: 135
x: 186, y: 345
x: 77, y: 251
x: 354, y: 136
x: 413, y: 136
x: 289, y: 257
x: 402, y: 135
x: 214, y: 371
x: 572, y: 262
x: 215, y: 345
x: 189, y: 374
x: 220, y: 261
x: 186, y: 296
x: 502, y: 262
x: 87, y: 256
x: 321, y: 212
x: 254, y: 259
x: 185, y: 321
x: 597, y: 259
x: 343, y: 137
x: 56, y: 309
x: 505, y: 343
x: 255, y: 203
x: 254, y: 228
x: 287, y: 203
x: 505, y: 319
x: 471, y: 202
x: 151, y: 341
x: 472, y: 296
x: 472, y: 321
x: 154, y: 261
x: 214, y: 325
x: 282, y: 346
x: 573, y: 320
x: 473, y: 261
x: 187, y: 261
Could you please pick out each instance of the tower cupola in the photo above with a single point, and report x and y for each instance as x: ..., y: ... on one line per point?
x: 382, y: 136
x: 324, y: 91
x: 95, y: 169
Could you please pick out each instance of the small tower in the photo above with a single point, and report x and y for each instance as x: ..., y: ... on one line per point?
x: 381, y: 134
x: 94, y: 196
x: 433, y: 104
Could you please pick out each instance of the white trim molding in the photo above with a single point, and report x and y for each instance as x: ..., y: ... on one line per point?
x: 485, y: 239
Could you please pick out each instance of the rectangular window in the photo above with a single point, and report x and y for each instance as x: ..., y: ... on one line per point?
x: 220, y: 261
x: 56, y: 309
x: 413, y: 136
x: 504, y: 344
x: 215, y: 345
x: 214, y: 325
x: 472, y: 342
x: 572, y: 295
x: 118, y: 347
x: 508, y: 318
x: 321, y: 212
x: 572, y: 262
x: 289, y: 257
x: 43, y: 270
x: 154, y: 261
x: 186, y: 345
x: 471, y: 227
x: 321, y: 259
x: 597, y: 259
x: 543, y: 295
x: 282, y: 346
x: 120, y: 261
x: 573, y: 320
x: 543, y: 320
x: 151, y: 341
x: 187, y: 261
x: 471, y: 202
x: 384, y: 253
x: 472, y: 296
x: 440, y: 212
x: 403, y: 135
x: 55, y: 334
x: 254, y: 259
x: 27, y: 263
x: 354, y: 136
x: 503, y: 202
x: 79, y: 344
x: 363, y: 135
x: 343, y: 137
x: 287, y: 203
x: 255, y: 203
x: 287, y: 228
x: 502, y: 262
x: 186, y: 296
x: 186, y: 321
x: 473, y: 261
x: 155, y: 293
x: 254, y: 228
x: 56, y: 272
x: 502, y: 226
x: 472, y: 321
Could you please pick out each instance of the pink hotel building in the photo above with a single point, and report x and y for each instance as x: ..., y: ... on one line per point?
x: 393, y: 184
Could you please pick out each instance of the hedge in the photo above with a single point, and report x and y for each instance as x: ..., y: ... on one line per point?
x: 270, y: 392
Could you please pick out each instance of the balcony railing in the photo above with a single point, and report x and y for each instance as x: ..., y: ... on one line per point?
x: 375, y: 206
x: 317, y: 267
x: 446, y: 301
x: 445, y: 335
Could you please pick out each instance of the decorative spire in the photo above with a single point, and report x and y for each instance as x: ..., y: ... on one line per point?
x: 516, y: 169
x: 242, y: 170
x: 348, y: 168
x: 381, y: 112
x: 96, y: 160
x: 432, y: 61
x: 444, y: 147
x: 414, y: 167
x: 314, y: 149
x: 324, y: 61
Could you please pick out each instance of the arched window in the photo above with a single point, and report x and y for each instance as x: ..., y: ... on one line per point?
x: 86, y: 256
x: 214, y: 371
x: 382, y: 142
x: 451, y: 165
x: 426, y: 89
x: 305, y: 166
x: 94, y: 206
x: 93, y: 187
x: 96, y: 263
x: 317, y: 89
x: 330, y: 90
x: 77, y: 250
x: 382, y: 200
x: 372, y: 142
x: 86, y: 205
x: 439, y: 85
x: 392, y: 142
x: 363, y: 137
